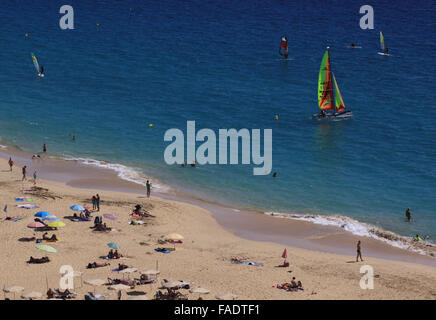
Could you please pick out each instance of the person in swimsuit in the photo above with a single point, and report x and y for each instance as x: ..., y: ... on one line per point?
x: 359, y: 253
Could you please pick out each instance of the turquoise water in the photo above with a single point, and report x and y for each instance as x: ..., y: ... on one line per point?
x: 217, y: 63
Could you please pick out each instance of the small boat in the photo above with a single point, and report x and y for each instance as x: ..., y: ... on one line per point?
x: 384, y: 49
x: 329, y: 97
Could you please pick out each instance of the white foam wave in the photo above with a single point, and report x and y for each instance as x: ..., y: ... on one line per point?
x: 124, y: 172
x: 361, y: 229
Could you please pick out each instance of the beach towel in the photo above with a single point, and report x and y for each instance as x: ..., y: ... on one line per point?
x: 27, y: 206
x: 246, y: 261
x: 162, y: 250
x: 110, y: 216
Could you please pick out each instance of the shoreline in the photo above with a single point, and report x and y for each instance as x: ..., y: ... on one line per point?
x: 247, y: 224
x: 204, y: 257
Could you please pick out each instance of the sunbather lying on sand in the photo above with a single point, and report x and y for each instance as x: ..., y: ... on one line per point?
x: 144, y: 279
x: 126, y: 282
x: 38, y: 260
x: 94, y: 265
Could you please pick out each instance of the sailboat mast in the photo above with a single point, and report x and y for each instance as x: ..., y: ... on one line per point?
x: 332, y: 91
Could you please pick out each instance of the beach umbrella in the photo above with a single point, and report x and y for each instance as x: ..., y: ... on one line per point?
x: 174, y: 236
x: 113, y: 245
x: 76, y: 207
x: 226, y: 296
x: 119, y: 286
x: 13, y: 289
x: 129, y: 270
x: 173, y: 284
x: 42, y: 214
x: 284, y: 254
x: 150, y: 272
x: 45, y: 247
x: 32, y: 295
x: 95, y: 283
x: 57, y: 224
x: 35, y: 225
x: 200, y: 290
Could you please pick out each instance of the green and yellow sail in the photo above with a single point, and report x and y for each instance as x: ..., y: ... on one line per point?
x: 325, y: 87
x: 382, y: 42
x: 339, y: 103
x: 35, y: 62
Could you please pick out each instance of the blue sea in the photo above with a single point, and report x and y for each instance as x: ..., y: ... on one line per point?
x: 128, y: 64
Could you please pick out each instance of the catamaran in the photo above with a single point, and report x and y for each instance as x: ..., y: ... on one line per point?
x: 39, y: 69
x: 327, y: 100
x: 384, y: 49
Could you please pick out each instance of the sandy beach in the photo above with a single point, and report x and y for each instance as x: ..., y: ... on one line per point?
x: 204, y: 257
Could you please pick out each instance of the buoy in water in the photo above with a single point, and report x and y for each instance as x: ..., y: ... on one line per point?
x: 276, y: 117
x: 97, y: 24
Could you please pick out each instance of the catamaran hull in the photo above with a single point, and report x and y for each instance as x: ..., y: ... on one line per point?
x: 339, y: 115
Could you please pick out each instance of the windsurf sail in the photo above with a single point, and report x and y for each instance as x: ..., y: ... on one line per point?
x: 284, y: 46
x: 325, y: 86
x: 35, y: 62
x: 382, y: 42
x: 340, y: 106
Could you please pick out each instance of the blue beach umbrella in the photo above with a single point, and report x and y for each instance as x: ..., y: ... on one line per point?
x: 113, y: 245
x: 42, y: 214
x: 76, y: 207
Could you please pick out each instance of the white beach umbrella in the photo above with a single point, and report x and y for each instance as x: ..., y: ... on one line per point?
x: 174, y: 236
x: 32, y: 295
x: 173, y: 284
x: 13, y: 289
x: 119, y: 286
x: 200, y: 290
x: 129, y: 270
x: 150, y: 272
x: 95, y: 283
x: 226, y: 296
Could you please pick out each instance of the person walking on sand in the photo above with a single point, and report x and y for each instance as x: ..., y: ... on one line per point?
x: 34, y: 178
x: 44, y: 148
x: 359, y: 253
x: 408, y: 215
x: 11, y: 163
x: 148, y: 184
x: 24, y: 173
x: 97, y: 202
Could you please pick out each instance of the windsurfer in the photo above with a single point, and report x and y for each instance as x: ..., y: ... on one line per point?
x: 41, y: 71
x: 323, y: 113
x: 284, y: 45
x: 386, y: 50
x: 353, y: 45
